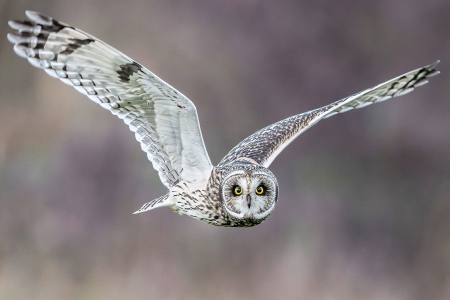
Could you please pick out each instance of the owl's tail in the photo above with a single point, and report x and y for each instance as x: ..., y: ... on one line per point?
x: 158, y: 202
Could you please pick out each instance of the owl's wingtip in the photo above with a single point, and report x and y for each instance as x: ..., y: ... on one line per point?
x: 435, y: 63
x: 31, y: 14
x: 12, y: 38
x: 38, y: 17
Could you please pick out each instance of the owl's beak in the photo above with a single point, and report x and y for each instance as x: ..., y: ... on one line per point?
x: 249, y: 201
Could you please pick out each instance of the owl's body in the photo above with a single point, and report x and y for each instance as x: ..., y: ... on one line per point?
x: 240, y: 191
x: 207, y: 203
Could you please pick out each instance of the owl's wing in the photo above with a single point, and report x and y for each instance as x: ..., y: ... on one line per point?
x: 164, y: 121
x: 263, y: 146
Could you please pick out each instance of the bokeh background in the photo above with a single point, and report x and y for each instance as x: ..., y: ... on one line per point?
x: 364, y: 208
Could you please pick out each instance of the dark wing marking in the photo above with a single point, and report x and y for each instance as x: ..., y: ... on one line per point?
x: 165, y: 122
x: 263, y: 146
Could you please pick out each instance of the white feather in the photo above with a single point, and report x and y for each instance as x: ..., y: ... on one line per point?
x: 165, y: 122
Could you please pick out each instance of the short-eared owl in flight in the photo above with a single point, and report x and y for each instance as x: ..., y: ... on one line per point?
x: 240, y: 190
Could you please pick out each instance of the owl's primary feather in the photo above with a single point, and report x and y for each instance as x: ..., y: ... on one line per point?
x: 240, y: 191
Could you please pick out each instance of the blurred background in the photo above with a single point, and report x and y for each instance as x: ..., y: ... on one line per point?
x: 364, y: 207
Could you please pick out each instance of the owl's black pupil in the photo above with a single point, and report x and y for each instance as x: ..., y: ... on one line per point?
x: 237, y: 190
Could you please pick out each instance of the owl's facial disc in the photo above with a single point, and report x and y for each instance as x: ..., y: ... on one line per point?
x: 249, y: 194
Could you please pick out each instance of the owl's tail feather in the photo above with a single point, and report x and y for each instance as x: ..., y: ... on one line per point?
x: 158, y: 202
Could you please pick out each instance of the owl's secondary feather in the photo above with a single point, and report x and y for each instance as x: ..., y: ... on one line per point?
x: 263, y: 146
x: 164, y: 121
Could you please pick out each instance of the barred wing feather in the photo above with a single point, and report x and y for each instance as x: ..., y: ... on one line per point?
x: 264, y: 146
x: 164, y: 121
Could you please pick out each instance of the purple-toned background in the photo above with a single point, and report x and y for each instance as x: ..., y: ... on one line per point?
x: 364, y: 208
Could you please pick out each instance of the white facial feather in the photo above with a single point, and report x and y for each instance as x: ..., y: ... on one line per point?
x: 248, y: 204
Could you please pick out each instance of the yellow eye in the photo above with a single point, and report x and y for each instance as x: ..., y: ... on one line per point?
x: 237, y: 190
x: 259, y: 190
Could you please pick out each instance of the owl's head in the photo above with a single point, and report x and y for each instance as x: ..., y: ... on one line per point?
x: 249, y: 193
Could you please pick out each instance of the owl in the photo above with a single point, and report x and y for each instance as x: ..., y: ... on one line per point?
x: 240, y: 191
